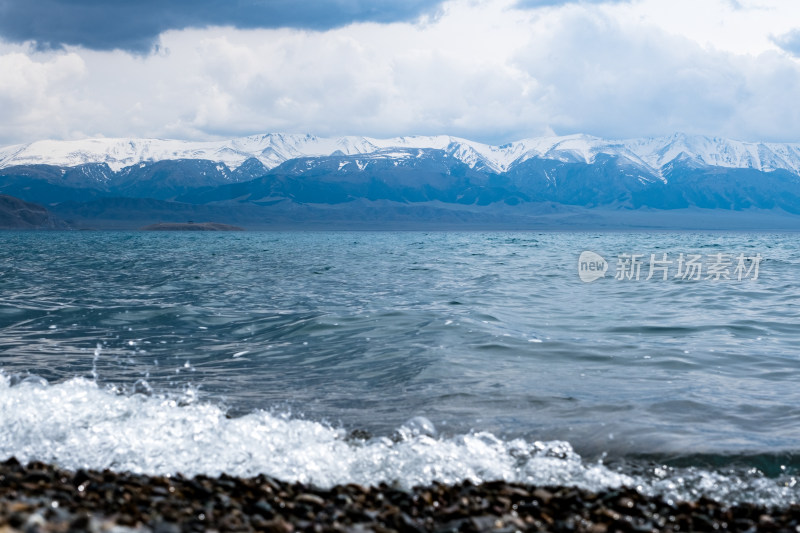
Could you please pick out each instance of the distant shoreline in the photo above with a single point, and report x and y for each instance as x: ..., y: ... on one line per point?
x: 190, y: 226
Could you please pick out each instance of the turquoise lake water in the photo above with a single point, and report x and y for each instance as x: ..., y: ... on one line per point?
x: 408, y: 357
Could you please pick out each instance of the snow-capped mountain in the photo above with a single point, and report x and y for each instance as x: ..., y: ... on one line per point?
x: 286, y: 177
x: 650, y: 154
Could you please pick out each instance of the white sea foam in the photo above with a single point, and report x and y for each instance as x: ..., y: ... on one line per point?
x: 77, y: 424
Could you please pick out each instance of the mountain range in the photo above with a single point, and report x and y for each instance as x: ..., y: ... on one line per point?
x: 293, y: 180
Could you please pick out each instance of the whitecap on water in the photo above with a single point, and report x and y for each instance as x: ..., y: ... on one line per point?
x: 77, y: 424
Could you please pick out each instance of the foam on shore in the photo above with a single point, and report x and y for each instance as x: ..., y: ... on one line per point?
x: 77, y: 424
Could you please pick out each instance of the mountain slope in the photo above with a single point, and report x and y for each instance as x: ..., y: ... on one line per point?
x: 286, y: 179
x: 17, y: 214
x: 406, y: 176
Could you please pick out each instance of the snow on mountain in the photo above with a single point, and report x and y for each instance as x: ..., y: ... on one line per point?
x: 117, y: 153
x: 652, y: 154
x: 714, y: 151
x: 655, y: 153
x: 9, y: 152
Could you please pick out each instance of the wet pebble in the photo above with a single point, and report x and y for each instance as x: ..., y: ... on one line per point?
x: 43, y: 498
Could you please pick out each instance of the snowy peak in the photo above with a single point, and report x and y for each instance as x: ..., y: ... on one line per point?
x: 717, y: 152
x: 652, y: 154
x: 116, y: 153
x: 569, y: 148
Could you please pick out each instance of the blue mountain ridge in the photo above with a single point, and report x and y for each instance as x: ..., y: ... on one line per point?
x: 416, y: 186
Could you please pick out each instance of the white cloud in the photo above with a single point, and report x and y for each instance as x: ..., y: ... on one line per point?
x: 483, y: 70
x: 35, y: 89
x: 616, y: 80
x: 600, y: 77
x: 737, y: 26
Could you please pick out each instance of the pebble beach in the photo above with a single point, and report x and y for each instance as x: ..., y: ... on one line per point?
x: 41, y: 497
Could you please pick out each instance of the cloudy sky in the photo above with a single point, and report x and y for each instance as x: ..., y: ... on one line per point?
x: 491, y: 71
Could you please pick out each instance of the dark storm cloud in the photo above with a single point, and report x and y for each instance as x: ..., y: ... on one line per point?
x: 134, y: 25
x: 789, y: 42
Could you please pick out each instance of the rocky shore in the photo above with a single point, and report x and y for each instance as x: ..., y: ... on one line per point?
x: 40, y: 497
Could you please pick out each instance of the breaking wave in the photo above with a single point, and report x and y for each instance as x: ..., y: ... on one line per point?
x: 78, y: 424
